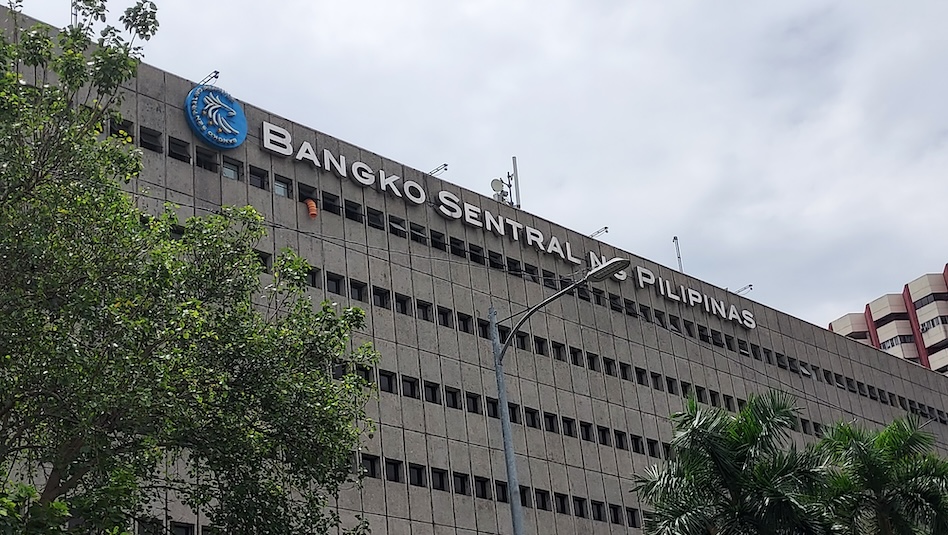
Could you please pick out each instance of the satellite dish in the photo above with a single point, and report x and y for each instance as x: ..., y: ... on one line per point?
x: 497, y: 185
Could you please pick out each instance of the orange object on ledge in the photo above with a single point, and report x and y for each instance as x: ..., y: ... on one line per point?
x: 313, y: 211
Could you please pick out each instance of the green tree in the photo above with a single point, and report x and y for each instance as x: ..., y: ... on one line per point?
x: 886, y: 481
x: 137, y: 358
x: 733, y: 474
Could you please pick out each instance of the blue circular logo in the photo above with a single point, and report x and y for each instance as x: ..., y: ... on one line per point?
x: 216, y: 117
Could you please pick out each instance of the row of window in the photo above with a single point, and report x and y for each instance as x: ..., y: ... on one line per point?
x: 204, y: 158
x: 931, y: 298
x: 616, y: 303
x: 418, y: 475
x: 153, y: 526
x: 932, y: 323
x: 896, y: 341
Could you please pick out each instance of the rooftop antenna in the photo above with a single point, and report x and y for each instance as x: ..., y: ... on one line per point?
x: 438, y: 170
x: 75, y: 13
x: 678, y: 252
x: 210, y: 77
x: 507, y: 188
x: 603, y: 230
x: 745, y: 289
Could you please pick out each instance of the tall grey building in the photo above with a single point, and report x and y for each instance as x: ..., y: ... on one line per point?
x: 592, y: 378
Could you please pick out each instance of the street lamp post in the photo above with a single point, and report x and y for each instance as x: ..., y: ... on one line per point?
x: 597, y: 274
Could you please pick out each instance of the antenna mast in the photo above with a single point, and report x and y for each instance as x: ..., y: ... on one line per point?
x: 516, y: 181
x: 678, y: 252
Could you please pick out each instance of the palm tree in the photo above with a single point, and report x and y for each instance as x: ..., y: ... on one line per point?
x: 888, y: 481
x: 734, y: 475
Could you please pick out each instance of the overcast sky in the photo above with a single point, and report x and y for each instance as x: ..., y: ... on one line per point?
x: 801, y: 147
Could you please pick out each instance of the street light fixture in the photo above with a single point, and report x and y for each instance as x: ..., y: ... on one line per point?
x: 597, y: 274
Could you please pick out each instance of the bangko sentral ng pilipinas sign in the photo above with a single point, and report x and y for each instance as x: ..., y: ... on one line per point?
x: 279, y: 141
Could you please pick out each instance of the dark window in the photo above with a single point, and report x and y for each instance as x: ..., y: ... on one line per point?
x: 465, y: 323
x: 381, y: 297
x: 358, y: 290
x: 444, y: 317
x: 625, y: 371
x: 410, y: 387
x: 531, y: 417
x: 569, y: 427
x: 576, y: 356
x: 514, y: 411
x: 458, y: 247
x: 609, y: 366
x: 476, y: 254
x: 353, y: 211
x: 206, y: 159
x: 495, y: 260
x: 522, y: 340
x: 266, y: 260
x: 493, y: 409
x: 615, y: 514
x: 600, y: 296
x: 562, y: 503
x: 452, y: 397
x: 439, y: 479
x: 437, y: 240
x: 637, y: 445
x: 396, y: 226
x: 550, y: 422
x: 181, y: 528
x: 632, y: 517
x: 417, y: 475
x: 282, y: 186
x: 715, y: 398
x: 482, y: 487
x: 150, y: 139
x: 461, y: 484
x: 332, y: 203
x: 121, y: 129
x: 605, y: 436
x: 432, y: 392
x: 418, y: 233
x: 539, y: 345
x: 500, y: 489
x: 542, y: 499
x: 598, y: 510
x: 549, y: 279
x: 652, y: 446
x: 641, y: 376
x: 370, y: 466
x: 513, y: 266
x: 387, y: 381
x: 179, y: 149
x: 621, y: 442
x: 232, y: 169
x: 424, y: 310
x: 473, y: 402
x: 393, y: 470
x: 375, y: 218
x: 403, y: 304
x: 334, y: 283
x: 657, y: 381
x: 586, y: 431
x: 579, y: 507
x: 559, y: 351
x: 525, y: 498
x: 259, y: 178
x: 671, y: 386
x: 532, y: 273
x: 592, y: 360
x: 483, y: 329
x: 701, y: 394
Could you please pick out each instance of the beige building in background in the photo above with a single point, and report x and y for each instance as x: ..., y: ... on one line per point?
x: 912, y: 325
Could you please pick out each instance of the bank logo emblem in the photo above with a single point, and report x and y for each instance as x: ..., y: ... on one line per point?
x: 216, y: 117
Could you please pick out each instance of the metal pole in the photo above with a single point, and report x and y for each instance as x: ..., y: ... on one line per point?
x: 513, y: 484
x: 516, y: 180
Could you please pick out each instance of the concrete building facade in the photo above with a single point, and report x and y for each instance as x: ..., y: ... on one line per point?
x: 592, y: 378
x: 912, y: 325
